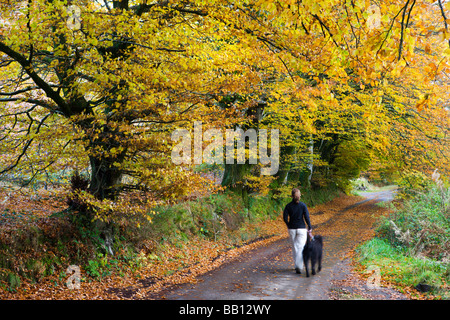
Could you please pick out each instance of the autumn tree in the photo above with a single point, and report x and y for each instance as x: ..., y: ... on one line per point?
x: 103, y: 84
x: 370, y: 84
x: 111, y: 81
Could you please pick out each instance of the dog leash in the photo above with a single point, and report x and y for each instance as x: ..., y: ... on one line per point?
x: 310, y: 234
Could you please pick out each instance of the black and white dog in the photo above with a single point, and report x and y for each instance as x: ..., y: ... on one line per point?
x: 313, y: 251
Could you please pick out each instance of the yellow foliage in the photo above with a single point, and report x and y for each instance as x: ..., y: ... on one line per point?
x: 107, y: 93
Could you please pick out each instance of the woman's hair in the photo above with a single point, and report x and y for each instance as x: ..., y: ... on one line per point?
x: 296, y: 194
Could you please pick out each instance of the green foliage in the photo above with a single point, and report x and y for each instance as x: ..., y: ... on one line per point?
x: 214, y: 217
x: 315, y: 197
x: 311, y: 197
x: 412, y: 244
x: 14, y: 281
x: 101, y: 266
x: 261, y: 208
x: 413, y: 182
x: 207, y: 217
x: 402, y: 269
x: 352, y: 157
x: 9, y: 280
x: 421, y: 225
x: 359, y: 184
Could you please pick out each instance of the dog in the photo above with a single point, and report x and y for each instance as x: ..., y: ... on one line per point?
x: 313, y: 251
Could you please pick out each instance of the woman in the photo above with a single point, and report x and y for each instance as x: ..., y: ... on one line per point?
x: 295, y: 215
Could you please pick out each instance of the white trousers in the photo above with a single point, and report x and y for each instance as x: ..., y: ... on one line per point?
x: 298, y: 237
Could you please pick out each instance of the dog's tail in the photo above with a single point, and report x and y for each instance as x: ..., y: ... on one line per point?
x: 318, y: 239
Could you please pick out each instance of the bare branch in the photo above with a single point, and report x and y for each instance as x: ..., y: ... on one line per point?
x: 402, y: 31
x: 18, y: 91
x: 390, y: 28
x: 443, y: 16
x: 323, y: 25
x: 32, y: 101
x: 24, y: 150
x: 36, y: 78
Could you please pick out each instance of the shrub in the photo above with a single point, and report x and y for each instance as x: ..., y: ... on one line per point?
x: 13, y: 281
x: 412, y: 246
x: 360, y: 184
x: 412, y: 183
x: 422, y: 225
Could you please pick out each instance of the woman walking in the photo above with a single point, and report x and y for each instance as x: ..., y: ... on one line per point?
x: 296, y: 217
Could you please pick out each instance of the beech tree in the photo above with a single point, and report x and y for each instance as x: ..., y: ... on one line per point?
x: 371, y: 86
x: 103, y: 84
x: 111, y: 81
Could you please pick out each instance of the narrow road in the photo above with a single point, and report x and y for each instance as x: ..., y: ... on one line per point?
x: 267, y: 272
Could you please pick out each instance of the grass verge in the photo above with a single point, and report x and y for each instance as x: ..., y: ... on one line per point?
x: 411, y: 248
x: 405, y: 272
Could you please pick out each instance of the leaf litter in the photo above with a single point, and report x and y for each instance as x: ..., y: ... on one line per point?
x: 184, y: 263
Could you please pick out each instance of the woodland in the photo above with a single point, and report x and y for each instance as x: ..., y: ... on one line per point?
x: 91, y: 92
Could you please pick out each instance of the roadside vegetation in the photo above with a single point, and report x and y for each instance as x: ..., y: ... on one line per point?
x: 126, y: 92
x: 40, y: 238
x: 412, y: 248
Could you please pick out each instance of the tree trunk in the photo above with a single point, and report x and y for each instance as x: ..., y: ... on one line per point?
x: 105, y: 178
x: 311, y: 160
x: 285, y: 166
x: 233, y: 179
x: 106, y: 230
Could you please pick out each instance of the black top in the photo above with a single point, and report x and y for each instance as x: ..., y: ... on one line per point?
x: 295, y: 215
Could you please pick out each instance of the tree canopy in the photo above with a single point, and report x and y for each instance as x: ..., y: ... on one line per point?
x: 101, y: 85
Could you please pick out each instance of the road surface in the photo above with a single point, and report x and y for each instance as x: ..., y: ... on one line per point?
x: 267, y: 272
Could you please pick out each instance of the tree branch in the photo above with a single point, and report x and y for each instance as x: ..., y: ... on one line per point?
x: 143, y: 8
x: 390, y: 28
x: 443, y: 16
x: 32, y: 101
x: 18, y: 91
x: 184, y: 10
x: 24, y: 150
x: 36, y: 78
x: 402, y: 30
x: 322, y: 24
